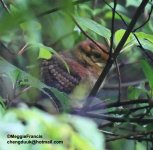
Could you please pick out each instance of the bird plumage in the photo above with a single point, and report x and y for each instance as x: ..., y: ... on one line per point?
x: 85, y: 63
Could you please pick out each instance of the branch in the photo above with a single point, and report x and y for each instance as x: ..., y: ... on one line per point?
x: 116, y: 53
x: 112, y: 29
x: 119, y: 119
x: 149, y: 16
x: 133, y: 135
x: 88, y: 36
x: 118, y: 104
x: 59, y: 8
x: 140, y: 45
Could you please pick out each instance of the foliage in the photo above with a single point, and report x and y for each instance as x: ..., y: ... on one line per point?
x: 35, y: 30
x: 68, y: 130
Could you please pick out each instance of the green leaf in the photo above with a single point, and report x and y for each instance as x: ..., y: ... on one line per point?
x: 134, y: 93
x: 108, y: 15
x: 49, y: 49
x: 32, y: 31
x: 119, y: 34
x: 87, y: 23
x: 6, y: 67
x: 147, y: 45
x: 44, y: 53
x: 142, y: 35
x: 148, y: 71
x: 24, y: 26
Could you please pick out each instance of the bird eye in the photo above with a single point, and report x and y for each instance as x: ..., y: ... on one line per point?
x: 96, y: 55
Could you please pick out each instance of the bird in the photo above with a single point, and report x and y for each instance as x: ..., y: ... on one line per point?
x: 85, y: 63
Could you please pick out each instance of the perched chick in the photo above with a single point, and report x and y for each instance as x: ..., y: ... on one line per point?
x: 86, y: 61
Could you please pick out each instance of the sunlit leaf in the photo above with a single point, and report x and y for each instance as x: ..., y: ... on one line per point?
x: 119, y: 34
x: 49, y: 49
x: 142, y: 35
x: 44, y: 53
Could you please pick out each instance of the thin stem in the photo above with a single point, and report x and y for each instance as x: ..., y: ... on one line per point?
x: 88, y: 36
x: 119, y: 81
x: 5, y: 6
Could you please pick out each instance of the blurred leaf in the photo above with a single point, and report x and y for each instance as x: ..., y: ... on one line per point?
x: 80, y: 125
x: 61, y: 24
x: 119, y: 8
x: 148, y: 71
x: 87, y: 23
x: 134, y: 93
x: 66, y: 128
x: 108, y: 15
x: 62, y: 97
x: 32, y: 31
x: 97, y: 11
x: 133, y: 3
x: 10, y: 22
x: 85, y: 10
x: 15, y: 75
x: 67, y: 5
x: 140, y: 146
x: 30, y: 80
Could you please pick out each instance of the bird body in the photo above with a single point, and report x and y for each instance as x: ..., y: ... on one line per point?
x: 85, y: 63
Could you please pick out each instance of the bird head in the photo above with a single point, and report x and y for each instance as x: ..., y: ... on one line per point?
x: 89, y: 54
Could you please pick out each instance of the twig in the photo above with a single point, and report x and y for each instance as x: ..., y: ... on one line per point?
x: 119, y: 119
x: 116, y: 104
x: 21, y: 51
x: 89, y: 36
x: 116, y: 12
x: 59, y: 8
x: 133, y: 135
x: 112, y: 29
x: 116, y: 53
x: 129, y: 110
x: 149, y: 16
x: 61, y: 38
x: 119, y: 81
x: 94, y: 4
x: 126, y: 84
x: 140, y: 45
x: 5, y: 6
